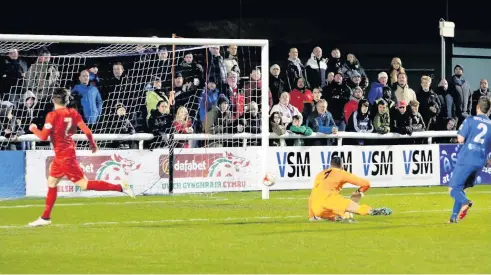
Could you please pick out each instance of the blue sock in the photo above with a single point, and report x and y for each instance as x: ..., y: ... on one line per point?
x: 456, y: 209
x: 459, y: 196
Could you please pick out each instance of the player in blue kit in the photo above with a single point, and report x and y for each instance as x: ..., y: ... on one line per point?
x: 474, y: 135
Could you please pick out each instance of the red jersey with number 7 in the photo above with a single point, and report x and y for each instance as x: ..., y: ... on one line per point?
x: 62, y: 124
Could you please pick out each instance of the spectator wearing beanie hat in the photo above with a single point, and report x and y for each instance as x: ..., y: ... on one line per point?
x: 377, y: 87
x: 461, y: 93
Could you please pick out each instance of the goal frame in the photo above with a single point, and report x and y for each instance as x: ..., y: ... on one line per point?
x: 263, y: 43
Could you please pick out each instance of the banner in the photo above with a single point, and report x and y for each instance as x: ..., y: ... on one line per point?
x: 239, y: 169
x: 195, y: 170
x: 12, y: 169
x: 383, y: 166
x: 212, y: 170
x: 112, y: 166
x: 448, y: 159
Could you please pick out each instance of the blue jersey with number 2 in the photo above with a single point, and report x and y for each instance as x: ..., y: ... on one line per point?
x: 476, y: 131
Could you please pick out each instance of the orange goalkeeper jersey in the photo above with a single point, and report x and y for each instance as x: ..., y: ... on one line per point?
x: 332, y: 181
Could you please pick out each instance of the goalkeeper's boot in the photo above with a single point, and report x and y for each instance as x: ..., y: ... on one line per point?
x: 39, y: 222
x: 384, y: 211
x: 126, y: 188
x: 464, y: 210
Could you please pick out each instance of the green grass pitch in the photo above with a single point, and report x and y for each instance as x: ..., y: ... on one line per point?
x: 240, y: 233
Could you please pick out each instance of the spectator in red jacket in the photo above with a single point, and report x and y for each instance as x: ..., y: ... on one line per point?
x: 352, y: 105
x: 297, y: 96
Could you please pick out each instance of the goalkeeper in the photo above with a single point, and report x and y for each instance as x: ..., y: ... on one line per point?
x: 326, y: 202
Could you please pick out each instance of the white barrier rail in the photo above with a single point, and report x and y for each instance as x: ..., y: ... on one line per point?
x: 245, y: 136
x: 81, y: 137
x: 339, y: 136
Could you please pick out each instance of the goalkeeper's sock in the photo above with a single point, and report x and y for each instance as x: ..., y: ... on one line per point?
x: 363, y: 210
x: 50, y: 202
x: 100, y: 185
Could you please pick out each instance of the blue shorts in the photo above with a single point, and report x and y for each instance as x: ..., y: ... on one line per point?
x: 464, y: 176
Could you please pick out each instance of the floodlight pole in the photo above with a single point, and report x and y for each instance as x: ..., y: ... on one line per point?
x: 447, y: 29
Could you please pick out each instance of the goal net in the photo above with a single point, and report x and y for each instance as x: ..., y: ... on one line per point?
x: 179, y: 115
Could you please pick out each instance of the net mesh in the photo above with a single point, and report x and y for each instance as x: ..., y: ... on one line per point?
x: 128, y: 89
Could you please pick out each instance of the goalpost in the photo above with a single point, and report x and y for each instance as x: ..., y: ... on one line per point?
x: 149, y: 76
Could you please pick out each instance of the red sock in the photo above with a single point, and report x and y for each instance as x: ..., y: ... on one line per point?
x: 50, y: 202
x: 100, y: 185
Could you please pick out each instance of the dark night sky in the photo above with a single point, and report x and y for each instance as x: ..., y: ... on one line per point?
x: 397, y: 18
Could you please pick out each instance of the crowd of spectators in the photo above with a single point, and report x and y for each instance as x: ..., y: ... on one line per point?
x: 155, y: 92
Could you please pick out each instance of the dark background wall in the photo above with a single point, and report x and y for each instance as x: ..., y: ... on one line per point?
x: 375, y: 31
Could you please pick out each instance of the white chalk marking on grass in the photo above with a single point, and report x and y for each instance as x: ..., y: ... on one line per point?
x: 391, y: 194
x: 218, y: 200
x: 304, y: 218
x: 159, y: 221
x: 109, y: 203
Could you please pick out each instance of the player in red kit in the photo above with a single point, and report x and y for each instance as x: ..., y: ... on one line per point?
x: 60, y: 125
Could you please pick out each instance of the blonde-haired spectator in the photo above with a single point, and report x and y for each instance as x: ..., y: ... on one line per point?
x: 429, y: 101
x: 402, y: 90
x: 395, y: 69
x: 183, y: 125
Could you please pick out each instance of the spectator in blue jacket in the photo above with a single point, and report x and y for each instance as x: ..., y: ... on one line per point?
x: 377, y: 88
x: 321, y: 121
x: 209, y: 99
x: 90, y: 98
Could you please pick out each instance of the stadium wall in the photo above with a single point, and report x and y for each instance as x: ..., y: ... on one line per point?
x: 234, y: 169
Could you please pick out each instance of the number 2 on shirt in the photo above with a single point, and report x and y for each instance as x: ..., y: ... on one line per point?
x: 68, y: 121
x: 484, y: 129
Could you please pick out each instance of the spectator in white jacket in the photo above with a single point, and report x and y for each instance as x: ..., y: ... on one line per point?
x: 285, y: 109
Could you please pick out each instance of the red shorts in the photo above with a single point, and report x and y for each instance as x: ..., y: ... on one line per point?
x: 66, y: 168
